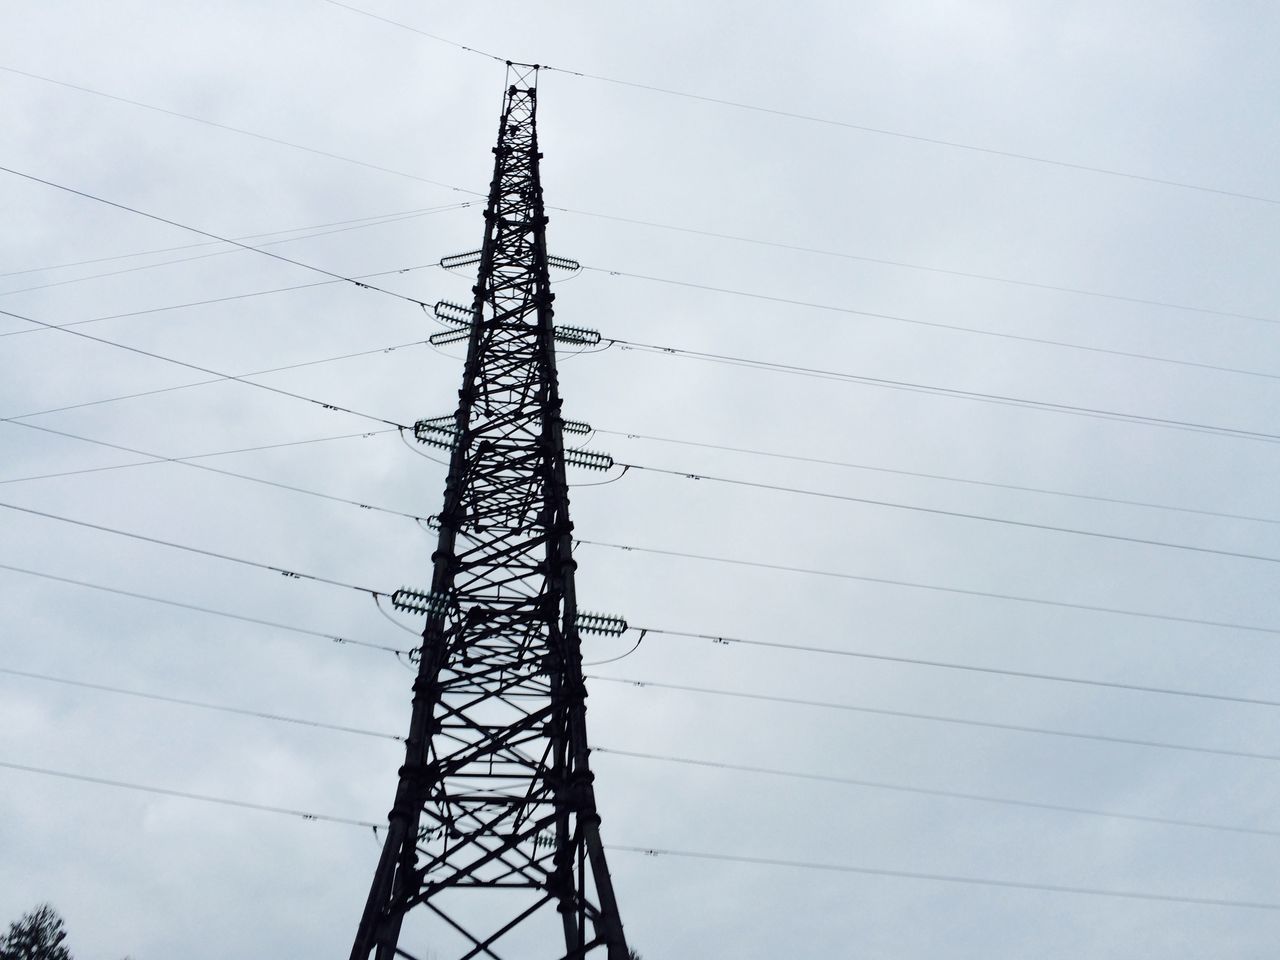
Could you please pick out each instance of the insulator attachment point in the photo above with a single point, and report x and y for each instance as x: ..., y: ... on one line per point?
x: 602, y: 623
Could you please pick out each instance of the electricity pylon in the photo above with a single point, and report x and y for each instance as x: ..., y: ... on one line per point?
x: 493, y: 843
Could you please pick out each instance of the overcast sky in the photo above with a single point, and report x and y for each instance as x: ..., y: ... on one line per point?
x: 946, y: 267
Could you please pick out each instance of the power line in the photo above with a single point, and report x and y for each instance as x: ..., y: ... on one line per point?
x: 797, y: 248
x: 194, y: 456
x: 243, y: 132
x: 941, y: 877
x: 213, y: 236
x: 223, y: 253
x: 960, y: 591
x: 958, y: 514
x: 192, y: 366
x: 619, y: 219
x: 687, y: 761
x: 160, y: 458
x: 335, y: 638
x: 222, y: 379
x: 913, y: 321
x: 283, y: 571
x: 411, y: 29
x: 185, y: 462
x: 935, y: 476
x: 930, y: 792
x: 386, y: 217
x: 656, y: 851
x: 968, y: 668
x: 916, y: 138
x: 937, y: 718
x: 832, y: 122
x: 186, y: 795
x: 214, y: 300
x: 199, y: 704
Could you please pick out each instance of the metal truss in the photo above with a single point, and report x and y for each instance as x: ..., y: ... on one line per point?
x: 493, y: 843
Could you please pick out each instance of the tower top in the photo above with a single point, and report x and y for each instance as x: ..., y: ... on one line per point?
x: 524, y: 75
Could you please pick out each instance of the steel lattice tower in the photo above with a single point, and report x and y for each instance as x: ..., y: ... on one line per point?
x: 493, y: 842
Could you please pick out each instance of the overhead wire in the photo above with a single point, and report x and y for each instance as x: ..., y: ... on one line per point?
x: 849, y: 498
x: 881, y: 261
x: 222, y: 253
x: 684, y: 229
x: 229, y: 298
x: 192, y: 366
x: 663, y: 851
x: 833, y: 122
x: 957, y: 514
x: 198, y: 704
x: 940, y: 588
x: 155, y: 251
x: 917, y: 138
x: 213, y: 236
x: 821, y: 461
x: 1167, y: 423
x: 931, y: 324
x: 183, y: 605
x: 689, y: 761
x: 937, y: 718
x: 194, y: 456
x: 188, y: 795
x: 391, y: 348
x: 240, y: 130
x: 939, y: 877
x: 694, y: 762
x: 115, y: 531
x: 931, y: 792
x: 721, y: 639
x: 186, y: 462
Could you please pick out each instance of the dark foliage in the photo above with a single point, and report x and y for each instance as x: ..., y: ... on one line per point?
x: 37, y: 936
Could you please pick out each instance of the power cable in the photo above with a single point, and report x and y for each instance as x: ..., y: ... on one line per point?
x: 1025, y: 524
x: 917, y: 138
x: 215, y: 300
x: 335, y: 638
x: 242, y: 132
x: 931, y: 324
x: 937, y: 718
x: 832, y: 122
x: 195, y: 456
x: 940, y: 877
x: 213, y: 236
x: 223, y: 253
x: 619, y: 219
x: 186, y: 795
x: 202, y: 383
x: 185, y: 462
x: 930, y: 792
x: 948, y: 665
x: 880, y: 261
x: 958, y: 514
x: 371, y: 221
x: 959, y: 591
x: 283, y: 571
x: 192, y: 366
x: 687, y: 761
x: 657, y: 851
x: 199, y: 704
x: 411, y: 29
x: 693, y: 762
x: 935, y: 476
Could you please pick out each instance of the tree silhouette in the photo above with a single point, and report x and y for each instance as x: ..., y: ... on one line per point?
x: 37, y: 936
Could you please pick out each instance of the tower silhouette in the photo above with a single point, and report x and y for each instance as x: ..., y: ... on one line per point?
x: 493, y: 842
